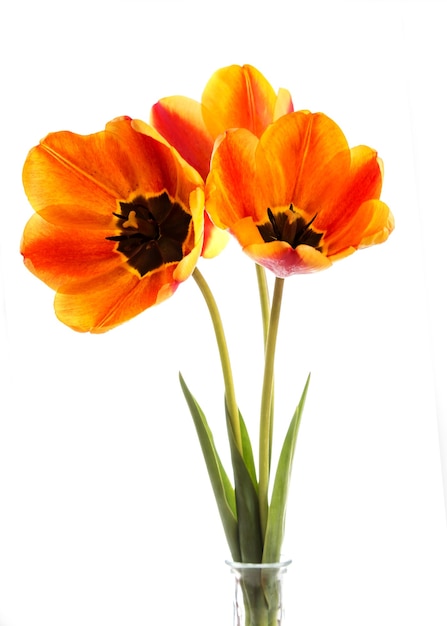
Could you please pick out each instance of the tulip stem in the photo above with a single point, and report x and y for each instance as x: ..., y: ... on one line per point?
x: 266, y: 423
x: 230, y: 397
x: 264, y: 299
x: 265, y: 310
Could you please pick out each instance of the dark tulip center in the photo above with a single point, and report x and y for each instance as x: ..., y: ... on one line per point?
x: 152, y: 232
x: 287, y: 225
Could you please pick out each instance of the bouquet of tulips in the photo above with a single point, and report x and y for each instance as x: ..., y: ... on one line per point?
x: 123, y: 216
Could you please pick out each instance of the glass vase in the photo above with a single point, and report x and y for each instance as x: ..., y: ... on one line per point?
x: 258, y: 593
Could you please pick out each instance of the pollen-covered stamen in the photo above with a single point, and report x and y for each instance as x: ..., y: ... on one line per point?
x: 152, y: 232
x: 131, y: 221
x: 287, y: 225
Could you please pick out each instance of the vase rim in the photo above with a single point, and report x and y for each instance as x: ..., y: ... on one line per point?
x: 283, y: 563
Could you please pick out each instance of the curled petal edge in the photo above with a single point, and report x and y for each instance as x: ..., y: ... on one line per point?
x: 280, y: 258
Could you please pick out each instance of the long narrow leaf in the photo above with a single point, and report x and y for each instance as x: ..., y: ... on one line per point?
x: 277, y: 510
x: 223, y: 490
x: 247, y: 502
x: 247, y: 452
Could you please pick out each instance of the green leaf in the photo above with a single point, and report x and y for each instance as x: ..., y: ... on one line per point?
x: 222, y: 487
x: 247, y: 452
x: 247, y: 500
x: 277, y: 511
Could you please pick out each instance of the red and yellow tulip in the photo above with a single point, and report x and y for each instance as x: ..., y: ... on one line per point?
x: 297, y: 198
x: 234, y: 97
x: 118, y: 223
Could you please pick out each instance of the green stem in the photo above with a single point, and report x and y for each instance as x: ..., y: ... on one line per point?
x: 265, y: 310
x: 266, y: 404
x: 230, y: 396
x: 264, y: 298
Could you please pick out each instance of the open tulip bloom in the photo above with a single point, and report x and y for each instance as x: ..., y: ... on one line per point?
x: 123, y: 216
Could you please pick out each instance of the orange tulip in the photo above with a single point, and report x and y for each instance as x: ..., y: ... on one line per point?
x: 234, y: 97
x: 297, y: 198
x: 118, y: 226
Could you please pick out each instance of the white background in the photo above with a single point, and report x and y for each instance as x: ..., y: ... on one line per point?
x: 106, y: 515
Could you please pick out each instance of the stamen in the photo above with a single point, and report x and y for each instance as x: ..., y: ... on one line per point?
x: 132, y: 221
x: 274, y: 224
x: 125, y: 237
x: 311, y: 222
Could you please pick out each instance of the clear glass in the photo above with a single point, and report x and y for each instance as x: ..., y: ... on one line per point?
x: 258, y: 593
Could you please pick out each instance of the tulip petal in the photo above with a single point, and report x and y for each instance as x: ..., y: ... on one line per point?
x: 283, y: 104
x: 361, y: 182
x: 59, y: 165
x: 238, y: 97
x: 180, y: 121
x: 381, y: 223
x: 97, y: 169
x: 231, y: 185
x: 102, y: 303
x: 214, y: 239
x: 57, y: 253
x: 283, y: 260
x: 293, y: 158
